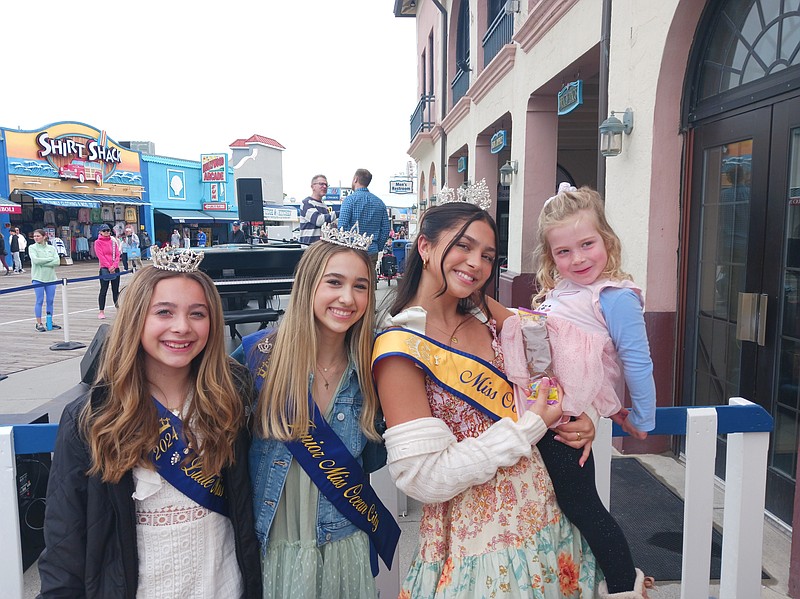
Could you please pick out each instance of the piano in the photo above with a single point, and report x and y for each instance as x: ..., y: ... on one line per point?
x: 244, y: 272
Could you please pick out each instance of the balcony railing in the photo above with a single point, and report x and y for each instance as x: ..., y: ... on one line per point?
x: 460, y: 85
x: 498, y: 35
x: 422, y: 117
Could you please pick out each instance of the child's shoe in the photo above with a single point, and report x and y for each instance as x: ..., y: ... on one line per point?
x: 101, y: 315
x: 40, y: 327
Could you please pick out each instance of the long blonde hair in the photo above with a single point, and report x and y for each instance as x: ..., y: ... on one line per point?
x: 282, y: 411
x: 122, y: 429
x: 557, y: 210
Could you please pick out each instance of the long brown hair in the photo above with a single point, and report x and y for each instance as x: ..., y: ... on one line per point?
x: 282, y: 411
x: 122, y: 429
x: 434, y: 223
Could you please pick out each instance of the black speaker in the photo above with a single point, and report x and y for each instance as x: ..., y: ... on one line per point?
x: 91, y: 359
x: 33, y: 470
x: 250, y: 200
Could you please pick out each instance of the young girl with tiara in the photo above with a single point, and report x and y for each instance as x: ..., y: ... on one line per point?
x: 595, y: 323
x: 320, y: 524
x: 149, y: 494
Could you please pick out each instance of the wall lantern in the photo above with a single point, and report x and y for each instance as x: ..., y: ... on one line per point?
x: 507, y: 172
x: 611, y: 132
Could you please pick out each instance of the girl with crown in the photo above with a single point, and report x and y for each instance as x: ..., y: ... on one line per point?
x: 491, y: 526
x: 149, y: 493
x: 320, y: 524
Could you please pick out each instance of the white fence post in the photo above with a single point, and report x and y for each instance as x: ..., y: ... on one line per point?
x: 11, y: 564
x: 745, y: 489
x: 701, y: 449
x: 601, y: 450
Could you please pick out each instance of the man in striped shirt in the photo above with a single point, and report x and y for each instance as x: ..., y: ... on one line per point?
x: 313, y: 212
x: 368, y: 210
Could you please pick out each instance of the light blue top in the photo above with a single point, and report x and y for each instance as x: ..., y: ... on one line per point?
x: 622, y: 309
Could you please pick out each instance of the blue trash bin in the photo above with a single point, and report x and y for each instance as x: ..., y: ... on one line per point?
x: 399, y: 252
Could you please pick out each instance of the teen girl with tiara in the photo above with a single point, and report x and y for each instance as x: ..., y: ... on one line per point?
x: 320, y: 524
x: 595, y: 323
x: 149, y: 494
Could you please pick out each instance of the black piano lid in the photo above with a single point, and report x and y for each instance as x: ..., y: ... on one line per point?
x: 257, y: 261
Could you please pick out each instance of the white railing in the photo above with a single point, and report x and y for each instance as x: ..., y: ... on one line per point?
x: 747, y: 426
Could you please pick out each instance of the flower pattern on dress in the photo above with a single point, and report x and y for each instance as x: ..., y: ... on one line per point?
x: 567, y: 574
x: 507, y: 533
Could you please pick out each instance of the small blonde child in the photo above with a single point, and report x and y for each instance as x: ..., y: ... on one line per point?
x: 595, y: 324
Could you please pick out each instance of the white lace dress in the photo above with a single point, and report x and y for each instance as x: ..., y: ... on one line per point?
x: 185, y: 550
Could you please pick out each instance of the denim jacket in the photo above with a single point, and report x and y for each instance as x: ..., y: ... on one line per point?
x: 270, y: 461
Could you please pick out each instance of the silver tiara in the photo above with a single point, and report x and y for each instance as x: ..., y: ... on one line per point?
x: 353, y: 238
x: 477, y: 194
x: 184, y: 261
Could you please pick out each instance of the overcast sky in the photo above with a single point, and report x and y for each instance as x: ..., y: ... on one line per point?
x: 334, y: 82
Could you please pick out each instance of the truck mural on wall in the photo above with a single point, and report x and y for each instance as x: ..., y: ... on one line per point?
x: 82, y: 170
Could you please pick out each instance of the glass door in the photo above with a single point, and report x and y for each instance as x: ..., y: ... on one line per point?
x: 742, y: 328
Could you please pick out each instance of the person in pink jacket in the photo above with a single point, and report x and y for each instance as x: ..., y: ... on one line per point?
x: 108, y: 253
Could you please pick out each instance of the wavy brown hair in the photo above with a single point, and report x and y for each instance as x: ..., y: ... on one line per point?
x: 557, y: 210
x: 282, y: 411
x: 122, y: 430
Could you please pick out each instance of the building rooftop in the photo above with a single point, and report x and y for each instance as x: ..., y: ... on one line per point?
x: 257, y: 139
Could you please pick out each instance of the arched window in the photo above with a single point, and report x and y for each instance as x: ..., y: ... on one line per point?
x: 462, y: 37
x: 747, y: 41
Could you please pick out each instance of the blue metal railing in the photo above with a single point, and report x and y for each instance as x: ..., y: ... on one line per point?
x: 497, y: 35
x: 460, y: 85
x: 422, y: 117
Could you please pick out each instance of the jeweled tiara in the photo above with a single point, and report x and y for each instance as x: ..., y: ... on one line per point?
x: 183, y: 261
x: 477, y: 194
x: 353, y: 238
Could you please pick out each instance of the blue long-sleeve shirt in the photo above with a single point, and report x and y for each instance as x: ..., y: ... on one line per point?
x: 622, y: 310
x: 370, y: 212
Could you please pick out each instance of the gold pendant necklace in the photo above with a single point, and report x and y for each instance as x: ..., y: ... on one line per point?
x: 320, y: 370
x: 453, y: 338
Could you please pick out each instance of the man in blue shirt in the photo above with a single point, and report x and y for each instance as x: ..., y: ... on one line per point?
x: 201, y: 238
x: 368, y: 210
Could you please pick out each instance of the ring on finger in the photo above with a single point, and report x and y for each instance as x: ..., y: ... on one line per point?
x: 579, y: 435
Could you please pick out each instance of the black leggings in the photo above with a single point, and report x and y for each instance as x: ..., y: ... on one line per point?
x: 101, y: 299
x: 577, y: 497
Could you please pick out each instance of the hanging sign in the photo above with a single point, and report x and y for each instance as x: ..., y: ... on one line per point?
x: 570, y: 97
x: 214, y: 167
x: 498, y: 142
x: 462, y: 164
x: 401, y: 186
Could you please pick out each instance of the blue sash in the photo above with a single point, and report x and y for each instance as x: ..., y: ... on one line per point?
x: 335, y: 472
x: 188, y: 478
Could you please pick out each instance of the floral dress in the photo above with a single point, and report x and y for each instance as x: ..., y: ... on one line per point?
x: 504, y: 538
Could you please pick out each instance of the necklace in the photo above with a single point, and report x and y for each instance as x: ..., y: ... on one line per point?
x: 453, y: 338
x: 322, y: 370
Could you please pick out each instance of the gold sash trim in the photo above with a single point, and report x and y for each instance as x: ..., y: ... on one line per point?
x: 468, y: 377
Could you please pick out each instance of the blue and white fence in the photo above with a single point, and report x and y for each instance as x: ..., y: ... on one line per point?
x: 746, y: 425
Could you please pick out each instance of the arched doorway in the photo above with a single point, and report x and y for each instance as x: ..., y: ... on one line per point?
x: 742, y: 324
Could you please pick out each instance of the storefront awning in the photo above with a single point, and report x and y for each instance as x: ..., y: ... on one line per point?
x: 81, y: 200
x: 222, y: 216
x: 9, y: 207
x: 187, y: 216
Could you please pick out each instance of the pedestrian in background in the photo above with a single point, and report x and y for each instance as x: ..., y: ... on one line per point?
x: 125, y: 516
x: 44, y: 260
x: 238, y: 234
x: 368, y: 210
x: 175, y: 240
x: 3, y: 253
x: 313, y: 211
x: 16, y: 244
x: 108, y: 254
